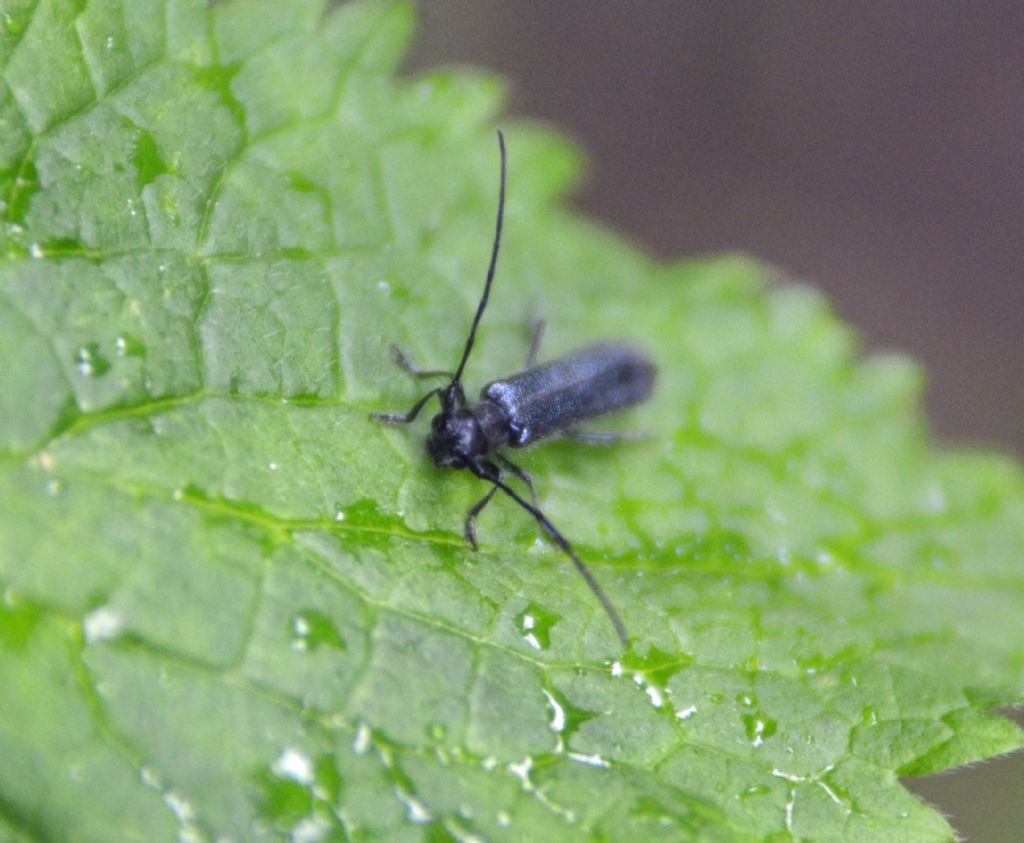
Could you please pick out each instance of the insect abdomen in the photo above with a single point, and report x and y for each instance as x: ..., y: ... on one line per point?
x: 559, y: 395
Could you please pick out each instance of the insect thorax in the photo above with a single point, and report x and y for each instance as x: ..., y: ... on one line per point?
x: 458, y: 437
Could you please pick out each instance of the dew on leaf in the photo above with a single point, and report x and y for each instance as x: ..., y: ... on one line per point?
x: 295, y: 765
x: 686, y: 713
x: 651, y: 673
x: 284, y: 802
x: 535, y: 625
x: 181, y: 807
x: 126, y: 345
x: 101, y: 624
x: 90, y: 362
x: 521, y: 769
x: 311, y: 629
x: 758, y: 727
x: 149, y: 777
x: 557, y: 712
x: 593, y: 760
x: 363, y: 739
x: 310, y: 829
x: 655, y: 696
x: 416, y: 812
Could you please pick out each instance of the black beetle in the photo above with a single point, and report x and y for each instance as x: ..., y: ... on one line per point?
x: 540, y: 402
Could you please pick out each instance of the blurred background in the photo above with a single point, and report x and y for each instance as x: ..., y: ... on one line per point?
x: 875, y: 150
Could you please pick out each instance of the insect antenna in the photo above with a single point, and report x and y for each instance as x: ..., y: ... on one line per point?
x: 457, y: 379
x: 563, y: 543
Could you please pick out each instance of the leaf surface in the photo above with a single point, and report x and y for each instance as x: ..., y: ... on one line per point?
x: 235, y: 608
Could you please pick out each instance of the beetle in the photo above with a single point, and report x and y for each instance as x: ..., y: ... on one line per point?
x: 543, y: 401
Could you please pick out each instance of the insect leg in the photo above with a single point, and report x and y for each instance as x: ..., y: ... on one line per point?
x: 407, y: 418
x: 469, y: 529
x: 537, y: 328
x: 522, y: 475
x: 489, y: 472
x: 410, y: 368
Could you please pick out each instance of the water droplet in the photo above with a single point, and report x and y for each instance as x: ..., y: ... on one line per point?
x: 755, y: 790
x: 110, y: 42
x: 557, y: 712
x: 535, y: 625
x: 90, y: 362
x: 363, y: 739
x: 504, y: 819
x: 180, y: 806
x: 310, y: 829
x: 686, y: 713
x: 36, y: 251
x: 101, y: 624
x: 384, y: 287
x: 759, y: 727
x: 295, y: 765
x: 311, y: 629
x: 415, y: 811
x: 590, y: 760
x: 128, y: 346
x: 149, y: 777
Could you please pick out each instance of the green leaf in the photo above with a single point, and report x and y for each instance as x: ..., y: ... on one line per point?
x: 235, y: 608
